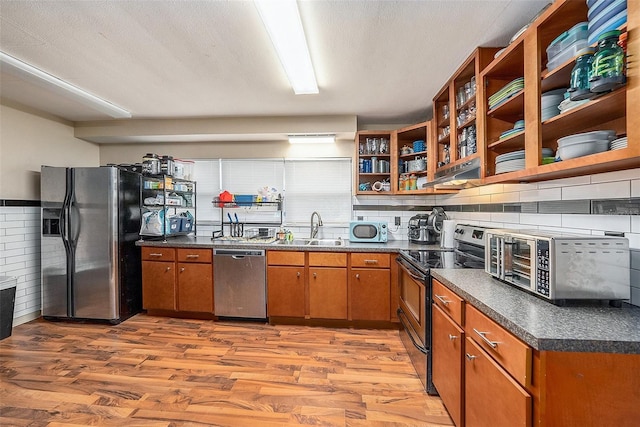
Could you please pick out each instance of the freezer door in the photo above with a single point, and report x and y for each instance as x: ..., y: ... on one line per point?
x: 53, y: 256
x: 93, y: 228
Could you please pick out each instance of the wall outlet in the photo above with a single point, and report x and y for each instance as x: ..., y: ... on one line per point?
x: 397, y: 220
x: 360, y: 218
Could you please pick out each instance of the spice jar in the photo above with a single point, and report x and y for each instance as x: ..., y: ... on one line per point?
x: 581, y: 74
x: 607, y: 70
x: 151, y: 164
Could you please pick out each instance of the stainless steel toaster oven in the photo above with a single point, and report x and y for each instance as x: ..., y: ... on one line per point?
x: 560, y: 267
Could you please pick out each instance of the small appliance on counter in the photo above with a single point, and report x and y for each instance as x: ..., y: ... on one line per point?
x: 559, y: 267
x: 368, y: 231
x: 426, y: 228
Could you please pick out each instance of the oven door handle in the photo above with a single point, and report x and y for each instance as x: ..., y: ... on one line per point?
x: 410, y: 271
x: 410, y: 332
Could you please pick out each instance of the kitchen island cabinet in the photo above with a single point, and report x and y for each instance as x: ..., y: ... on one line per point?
x: 574, y: 365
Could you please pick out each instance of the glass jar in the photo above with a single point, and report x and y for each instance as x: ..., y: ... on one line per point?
x: 581, y: 74
x: 607, y: 70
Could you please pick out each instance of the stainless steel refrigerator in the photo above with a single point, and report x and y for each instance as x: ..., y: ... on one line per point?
x: 91, y: 268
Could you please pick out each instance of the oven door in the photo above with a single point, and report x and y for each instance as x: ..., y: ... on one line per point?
x: 414, y: 313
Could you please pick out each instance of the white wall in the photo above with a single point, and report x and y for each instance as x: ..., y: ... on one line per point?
x: 28, y: 141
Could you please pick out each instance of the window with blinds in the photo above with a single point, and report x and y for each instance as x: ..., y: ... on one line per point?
x: 308, y: 185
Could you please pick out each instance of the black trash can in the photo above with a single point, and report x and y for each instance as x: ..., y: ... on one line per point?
x: 7, y: 303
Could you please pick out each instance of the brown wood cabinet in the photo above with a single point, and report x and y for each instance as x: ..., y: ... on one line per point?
x: 286, y: 284
x: 328, y: 293
x: 158, y: 279
x: 357, y: 286
x: 492, y: 397
x: 177, y: 279
x: 447, y: 346
x: 370, y: 286
x: 195, y: 280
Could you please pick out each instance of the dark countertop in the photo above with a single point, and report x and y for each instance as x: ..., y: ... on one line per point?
x: 347, y: 246
x: 545, y: 326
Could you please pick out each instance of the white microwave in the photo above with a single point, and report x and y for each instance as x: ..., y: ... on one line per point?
x: 368, y: 231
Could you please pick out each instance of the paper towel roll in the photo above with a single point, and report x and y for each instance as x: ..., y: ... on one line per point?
x: 447, y: 234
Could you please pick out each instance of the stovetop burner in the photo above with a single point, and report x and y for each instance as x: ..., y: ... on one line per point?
x: 469, y: 252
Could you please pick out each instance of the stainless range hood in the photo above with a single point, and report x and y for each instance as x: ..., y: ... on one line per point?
x: 463, y: 175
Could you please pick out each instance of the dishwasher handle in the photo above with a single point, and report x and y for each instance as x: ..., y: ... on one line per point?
x: 238, y: 253
x: 237, y: 256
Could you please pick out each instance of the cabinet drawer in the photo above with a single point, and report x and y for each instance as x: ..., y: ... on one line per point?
x: 285, y: 258
x: 449, y: 302
x: 370, y: 260
x: 327, y: 259
x: 158, y: 254
x: 195, y: 255
x: 511, y: 353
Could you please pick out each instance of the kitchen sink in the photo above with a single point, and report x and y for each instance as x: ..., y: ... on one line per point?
x: 325, y: 242
x: 311, y: 242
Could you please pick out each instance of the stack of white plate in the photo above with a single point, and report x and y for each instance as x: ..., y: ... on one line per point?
x: 619, y: 143
x: 550, y: 101
x: 514, y: 161
x: 583, y: 144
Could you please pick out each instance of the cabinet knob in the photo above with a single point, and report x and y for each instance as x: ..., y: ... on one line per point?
x: 314, y: 275
x: 357, y: 276
x: 298, y: 274
x: 182, y: 269
x: 168, y: 268
x: 470, y: 357
x: 452, y: 337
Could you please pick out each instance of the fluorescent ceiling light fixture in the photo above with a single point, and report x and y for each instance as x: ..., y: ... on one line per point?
x: 312, y: 139
x: 282, y: 21
x: 24, y: 70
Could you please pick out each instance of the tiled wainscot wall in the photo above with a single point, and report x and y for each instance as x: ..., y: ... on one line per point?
x: 20, y: 257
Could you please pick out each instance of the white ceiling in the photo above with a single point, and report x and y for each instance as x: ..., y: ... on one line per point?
x: 382, y: 61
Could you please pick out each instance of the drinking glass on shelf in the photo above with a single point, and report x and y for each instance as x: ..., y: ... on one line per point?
x: 384, y: 146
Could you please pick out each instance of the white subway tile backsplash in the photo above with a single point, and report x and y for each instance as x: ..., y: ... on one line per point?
x: 512, y: 197
x: 635, y: 188
x: 607, y: 190
x: 554, y: 220
x: 565, y: 182
x: 623, y: 175
x: 539, y: 195
x: 505, y: 217
x: 619, y: 223
x: 491, y: 189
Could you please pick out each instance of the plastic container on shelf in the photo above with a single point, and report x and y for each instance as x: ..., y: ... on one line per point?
x: 567, y: 54
x: 567, y: 39
x: 580, y: 75
x: 607, y: 70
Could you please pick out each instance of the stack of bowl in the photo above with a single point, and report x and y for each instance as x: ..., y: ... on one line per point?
x: 550, y: 102
x: 583, y: 144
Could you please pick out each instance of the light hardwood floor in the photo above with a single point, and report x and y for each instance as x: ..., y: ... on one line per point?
x: 154, y: 371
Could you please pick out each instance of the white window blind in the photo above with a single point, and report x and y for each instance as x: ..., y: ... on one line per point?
x: 322, y: 185
x: 207, y: 176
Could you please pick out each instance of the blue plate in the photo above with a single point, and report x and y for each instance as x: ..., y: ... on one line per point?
x: 612, y: 24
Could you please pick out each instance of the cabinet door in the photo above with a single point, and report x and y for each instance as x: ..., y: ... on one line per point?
x: 370, y: 294
x: 328, y: 293
x: 158, y: 285
x: 447, y: 352
x: 285, y: 291
x: 195, y: 287
x: 492, y: 397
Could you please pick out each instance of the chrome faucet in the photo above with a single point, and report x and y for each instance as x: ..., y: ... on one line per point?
x: 314, y: 227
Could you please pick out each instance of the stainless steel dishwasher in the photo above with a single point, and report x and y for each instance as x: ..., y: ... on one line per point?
x: 239, y: 283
